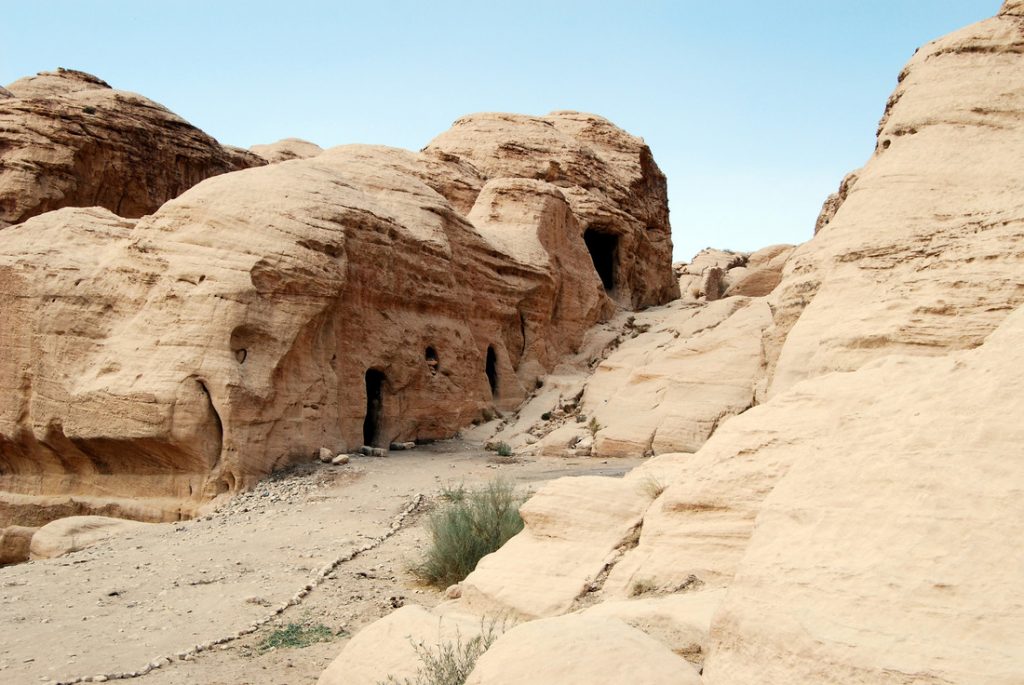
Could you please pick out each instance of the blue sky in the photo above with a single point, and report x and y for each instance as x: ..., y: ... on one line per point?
x: 754, y: 110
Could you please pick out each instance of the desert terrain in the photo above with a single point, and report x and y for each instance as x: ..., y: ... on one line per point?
x: 234, y: 384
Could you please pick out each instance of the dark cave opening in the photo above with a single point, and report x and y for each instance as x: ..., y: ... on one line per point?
x: 603, y: 248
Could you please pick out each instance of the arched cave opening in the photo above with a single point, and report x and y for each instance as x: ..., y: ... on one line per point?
x: 603, y: 248
x: 492, y: 370
x: 374, y: 420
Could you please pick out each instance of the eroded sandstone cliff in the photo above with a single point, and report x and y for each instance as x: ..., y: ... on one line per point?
x: 67, y: 139
x: 361, y: 296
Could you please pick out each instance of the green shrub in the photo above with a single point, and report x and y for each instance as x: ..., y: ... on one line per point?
x: 594, y: 426
x: 504, y: 449
x: 453, y: 493
x: 465, y: 530
x: 296, y: 635
x: 546, y: 416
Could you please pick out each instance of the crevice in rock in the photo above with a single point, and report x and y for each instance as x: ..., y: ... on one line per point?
x: 591, y: 591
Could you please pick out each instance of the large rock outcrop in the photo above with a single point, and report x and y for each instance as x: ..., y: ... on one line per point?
x: 923, y: 254
x: 861, y: 525
x: 362, y: 296
x: 67, y: 139
x: 609, y: 179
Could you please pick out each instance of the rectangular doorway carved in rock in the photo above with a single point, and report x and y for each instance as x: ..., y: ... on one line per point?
x: 374, y: 420
x: 603, y: 248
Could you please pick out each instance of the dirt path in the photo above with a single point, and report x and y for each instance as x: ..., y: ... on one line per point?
x: 116, y: 607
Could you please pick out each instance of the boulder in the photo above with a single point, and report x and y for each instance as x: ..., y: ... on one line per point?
x: 15, y: 542
x: 286, y: 149
x: 595, y: 650
x: 75, y: 533
x: 67, y: 139
x: 762, y: 274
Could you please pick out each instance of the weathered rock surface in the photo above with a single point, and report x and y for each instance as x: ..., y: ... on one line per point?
x: 887, y: 514
x: 14, y: 544
x: 580, y: 649
x: 923, y: 256
x: 67, y: 139
x: 566, y: 543
x: 286, y: 149
x: 668, y: 389
x: 681, y: 622
x: 656, y: 382
x: 609, y: 180
x: 713, y: 274
x: 330, y: 302
x: 387, y: 648
x: 71, y: 534
x: 761, y: 274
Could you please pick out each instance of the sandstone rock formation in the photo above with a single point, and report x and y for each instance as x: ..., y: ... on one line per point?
x: 73, y: 533
x: 364, y: 296
x: 67, y: 139
x: 659, y: 381
x: 15, y: 542
x: 861, y: 524
x: 921, y: 257
x: 609, y: 180
x: 286, y: 149
x: 714, y: 274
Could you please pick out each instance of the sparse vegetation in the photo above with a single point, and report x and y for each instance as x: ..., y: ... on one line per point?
x: 296, y: 636
x: 546, y: 416
x: 468, y: 528
x: 453, y: 493
x: 651, y: 486
x: 594, y: 426
x: 449, y: 663
x: 641, y: 586
x: 504, y: 449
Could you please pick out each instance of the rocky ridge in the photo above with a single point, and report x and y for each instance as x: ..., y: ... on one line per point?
x: 67, y: 139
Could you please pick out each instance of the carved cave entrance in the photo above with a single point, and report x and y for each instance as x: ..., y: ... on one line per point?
x: 374, y: 408
x: 603, y: 248
x: 492, y: 370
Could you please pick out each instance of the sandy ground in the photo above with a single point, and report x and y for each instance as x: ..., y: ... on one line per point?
x: 117, y: 606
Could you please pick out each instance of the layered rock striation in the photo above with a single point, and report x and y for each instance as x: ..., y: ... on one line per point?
x: 923, y: 253
x: 67, y: 139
